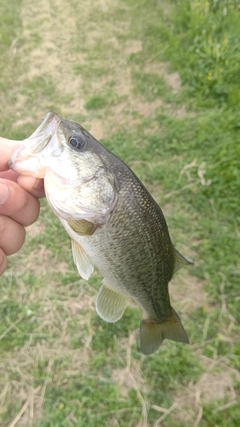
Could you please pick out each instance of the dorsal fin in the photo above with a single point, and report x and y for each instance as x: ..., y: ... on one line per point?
x: 181, y: 261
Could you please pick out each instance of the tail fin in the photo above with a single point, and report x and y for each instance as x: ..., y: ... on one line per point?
x: 152, y: 333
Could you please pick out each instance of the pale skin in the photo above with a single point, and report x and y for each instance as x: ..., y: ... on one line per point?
x: 19, y: 204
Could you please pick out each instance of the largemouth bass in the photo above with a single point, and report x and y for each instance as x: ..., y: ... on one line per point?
x: 114, y: 223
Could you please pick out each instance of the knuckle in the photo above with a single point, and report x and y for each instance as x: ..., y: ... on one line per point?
x: 3, y: 226
x: 28, y: 209
x: 24, y: 201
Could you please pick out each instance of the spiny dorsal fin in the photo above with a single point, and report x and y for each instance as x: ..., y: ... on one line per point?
x: 82, y: 261
x: 110, y: 304
x: 82, y: 227
x: 181, y: 261
x: 152, y: 333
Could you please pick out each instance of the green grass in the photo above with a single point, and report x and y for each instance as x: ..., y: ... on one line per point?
x: 108, y: 67
x: 97, y: 101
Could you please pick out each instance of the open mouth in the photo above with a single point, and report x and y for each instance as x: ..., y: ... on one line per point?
x: 25, y: 159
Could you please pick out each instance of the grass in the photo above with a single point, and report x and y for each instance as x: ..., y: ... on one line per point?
x: 158, y: 83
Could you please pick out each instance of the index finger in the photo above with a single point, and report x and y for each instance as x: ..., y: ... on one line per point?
x: 7, y: 147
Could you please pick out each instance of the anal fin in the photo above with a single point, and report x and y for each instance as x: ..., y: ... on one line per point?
x: 152, y: 333
x: 82, y: 261
x: 110, y: 304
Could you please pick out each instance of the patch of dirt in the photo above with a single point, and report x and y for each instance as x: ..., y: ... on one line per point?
x: 57, y: 27
x: 161, y: 69
x: 126, y: 377
x: 180, y: 112
x: 133, y: 46
x: 123, y: 85
x: 105, y: 4
x: 216, y: 384
x: 41, y: 262
x: 23, y: 390
x: 173, y: 80
x: 96, y: 129
x: 187, y: 291
x: 147, y: 109
x: 36, y: 229
x: 130, y: 377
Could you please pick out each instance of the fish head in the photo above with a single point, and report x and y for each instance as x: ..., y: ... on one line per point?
x: 78, y: 183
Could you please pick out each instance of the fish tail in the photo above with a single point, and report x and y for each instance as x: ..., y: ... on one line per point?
x: 152, y: 333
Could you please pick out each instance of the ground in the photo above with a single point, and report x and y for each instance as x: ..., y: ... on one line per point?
x: 61, y: 365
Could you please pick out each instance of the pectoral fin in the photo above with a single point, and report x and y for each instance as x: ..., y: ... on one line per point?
x: 82, y: 227
x: 82, y: 261
x: 110, y: 304
x: 181, y: 261
x: 152, y: 333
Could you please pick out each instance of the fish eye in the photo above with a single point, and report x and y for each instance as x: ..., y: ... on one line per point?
x: 77, y: 141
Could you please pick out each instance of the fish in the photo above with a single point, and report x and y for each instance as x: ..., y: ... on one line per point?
x: 115, y: 225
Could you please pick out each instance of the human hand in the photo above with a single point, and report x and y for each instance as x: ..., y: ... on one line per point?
x: 19, y: 204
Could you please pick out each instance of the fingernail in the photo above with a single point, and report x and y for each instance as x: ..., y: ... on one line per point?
x: 4, y: 193
x: 38, y: 184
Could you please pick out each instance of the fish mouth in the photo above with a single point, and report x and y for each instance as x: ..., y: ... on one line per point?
x: 45, y: 130
x: 26, y: 159
x: 42, y: 135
